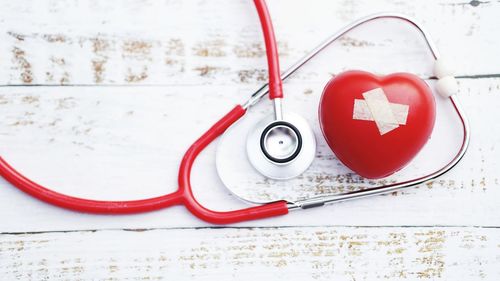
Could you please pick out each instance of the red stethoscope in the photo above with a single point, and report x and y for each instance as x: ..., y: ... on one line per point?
x: 272, y: 134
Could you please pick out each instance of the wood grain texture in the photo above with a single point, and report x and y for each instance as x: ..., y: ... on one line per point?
x: 116, y: 82
x: 323, y: 253
x: 195, y: 42
x: 116, y: 143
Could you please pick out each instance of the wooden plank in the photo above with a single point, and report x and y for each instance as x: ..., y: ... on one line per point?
x: 319, y: 253
x: 190, y: 61
x: 199, y: 43
x: 123, y: 143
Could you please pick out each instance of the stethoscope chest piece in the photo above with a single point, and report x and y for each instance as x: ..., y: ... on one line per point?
x: 281, y: 142
x: 281, y: 149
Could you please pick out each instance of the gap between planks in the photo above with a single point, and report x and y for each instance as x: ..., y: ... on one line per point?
x: 216, y: 227
x: 479, y: 76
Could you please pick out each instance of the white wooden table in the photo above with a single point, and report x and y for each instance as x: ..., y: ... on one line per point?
x: 100, y: 99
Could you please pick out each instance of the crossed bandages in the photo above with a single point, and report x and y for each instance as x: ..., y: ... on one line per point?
x: 376, y: 107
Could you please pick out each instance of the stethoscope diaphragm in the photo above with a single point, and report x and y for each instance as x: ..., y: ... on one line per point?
x: 281, y: 149
x: 281, y: 142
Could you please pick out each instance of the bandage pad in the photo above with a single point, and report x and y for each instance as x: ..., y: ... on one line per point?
x: 376, y: 107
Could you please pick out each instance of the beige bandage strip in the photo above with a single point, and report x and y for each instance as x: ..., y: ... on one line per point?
x: 375, y: 107
x: 362, y: 112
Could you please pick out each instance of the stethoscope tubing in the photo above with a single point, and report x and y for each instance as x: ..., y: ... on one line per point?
x: 273, y: 65
x: 184, y: 195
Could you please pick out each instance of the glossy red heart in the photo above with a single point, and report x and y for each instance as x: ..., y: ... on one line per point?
x: 358, y: 134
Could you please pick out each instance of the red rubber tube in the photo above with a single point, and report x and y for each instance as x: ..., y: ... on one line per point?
x: 85, y: 205
x: 252, y: 213
x: 184, y: 195
x: 275, y: 83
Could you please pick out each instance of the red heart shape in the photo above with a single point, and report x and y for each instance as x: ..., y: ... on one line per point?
x: 364, y: 145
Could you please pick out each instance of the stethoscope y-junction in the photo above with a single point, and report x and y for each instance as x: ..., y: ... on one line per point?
x: 281, y: 146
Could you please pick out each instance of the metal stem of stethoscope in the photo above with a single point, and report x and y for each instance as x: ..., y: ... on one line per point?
x: 326, y: 199
x: 278, y: 109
